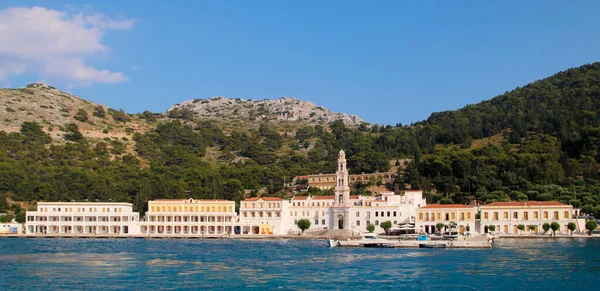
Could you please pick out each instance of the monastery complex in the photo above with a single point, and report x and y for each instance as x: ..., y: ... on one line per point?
x: 272, y: 216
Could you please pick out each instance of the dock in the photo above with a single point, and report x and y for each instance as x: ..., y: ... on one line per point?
x: 479, y: 242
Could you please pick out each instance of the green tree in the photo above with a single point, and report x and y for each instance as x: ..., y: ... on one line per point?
x: 370, y: 228
x: 554, y: 226
x: 440, y: 226
x: 386, y: 225
x: 532, y: 228
x: 73, y: 133
x: 303, y: 224
x: 591, y: 225
x: 521, y: 227
x: 546, y: 227
x: 20, y: 217
x: 572, y: 227
x: 6, y: 218
x: 492, y: 228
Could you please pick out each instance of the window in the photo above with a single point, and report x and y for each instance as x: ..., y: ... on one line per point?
x: 566, y: 214
x: 468, y: 215
x: 535, y: 215
x: 357, y: 214
x: 316, y: 222
x: 555, y: 215
x: 358, y: 223
x: 447, y: 216
x: 515, y: 215
x: 323, y: 221
x: 388, y: 214
x: 545, y: 214
x: 526, y: 216
x: 505, y: 215
x: 376, y: 222
x: 394, y: 213
x: 376, y: 214
x: 368, y: 214
x: 462, y: 216
x: 496, y: 216
x: 420, y: 216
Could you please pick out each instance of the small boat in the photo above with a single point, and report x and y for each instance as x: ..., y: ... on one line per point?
x: 369, y: 240
x: 432, y: 246
x: 333, y: 243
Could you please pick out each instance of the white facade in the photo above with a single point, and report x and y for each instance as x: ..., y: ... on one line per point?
x: 82, y: 218
x: 262, y: 215
x: 506, y: 216
x: 341, y: 211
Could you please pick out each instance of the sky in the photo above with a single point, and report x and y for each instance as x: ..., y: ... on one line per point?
x: 388, y: 62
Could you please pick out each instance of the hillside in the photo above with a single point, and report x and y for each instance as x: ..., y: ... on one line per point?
x: 565, y: 105
x: 539, y: 142
x: 288, y: 109
x: 54, y: 110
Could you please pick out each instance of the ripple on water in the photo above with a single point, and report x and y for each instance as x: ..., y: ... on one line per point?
x: 291, y: 265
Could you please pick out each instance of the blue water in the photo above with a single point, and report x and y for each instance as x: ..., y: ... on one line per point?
x: 174, y: 264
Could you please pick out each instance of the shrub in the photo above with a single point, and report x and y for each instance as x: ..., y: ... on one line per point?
x: 81, y: 115
x: 370, y: 228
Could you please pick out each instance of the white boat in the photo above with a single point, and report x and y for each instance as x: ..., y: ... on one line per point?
x: 333, y: 242
x: 369, y: 240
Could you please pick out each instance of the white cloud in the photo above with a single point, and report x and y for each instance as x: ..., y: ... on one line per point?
x: 55, y: 44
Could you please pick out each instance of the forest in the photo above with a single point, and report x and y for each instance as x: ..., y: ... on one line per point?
x: 538, y: 142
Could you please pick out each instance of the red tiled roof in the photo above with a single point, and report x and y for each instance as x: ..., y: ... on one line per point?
x: 525, y: 204
x: 264, y: 198
x: 446, y: 206
x: 300, y: 198
x: 186, y: 200
x: 330, y: 197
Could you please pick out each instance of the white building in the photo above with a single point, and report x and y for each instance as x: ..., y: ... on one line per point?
x: 82, y: 218
x: 262, y: 215
x: 506, y: 216
x: 340, y: 211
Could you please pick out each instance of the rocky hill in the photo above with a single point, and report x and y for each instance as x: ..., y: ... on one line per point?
x: 289, y: 109
x: 54, y: 109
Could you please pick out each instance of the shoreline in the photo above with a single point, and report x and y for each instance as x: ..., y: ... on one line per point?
x: 265, y: 237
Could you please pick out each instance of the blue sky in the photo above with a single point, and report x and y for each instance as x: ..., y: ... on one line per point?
x: 387, y: 61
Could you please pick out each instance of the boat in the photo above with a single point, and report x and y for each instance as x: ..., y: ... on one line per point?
x: 333, y: 242
x: 369, y: 240
x: 423, y: 237
x: 432, y: 246
x: 450, y: 234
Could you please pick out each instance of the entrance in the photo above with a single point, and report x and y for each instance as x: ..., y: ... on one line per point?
x: 340, y: 221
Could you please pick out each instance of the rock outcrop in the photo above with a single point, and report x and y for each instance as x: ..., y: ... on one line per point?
x: 287, y: 108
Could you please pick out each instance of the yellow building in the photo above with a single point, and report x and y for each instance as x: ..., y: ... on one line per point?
x: 189, y: 216
x: 429, y: 216
x: 506, y: 216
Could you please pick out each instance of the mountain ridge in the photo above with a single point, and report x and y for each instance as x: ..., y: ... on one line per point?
x: 284, y: 108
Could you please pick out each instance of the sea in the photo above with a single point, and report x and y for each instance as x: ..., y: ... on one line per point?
x: 292, y: 264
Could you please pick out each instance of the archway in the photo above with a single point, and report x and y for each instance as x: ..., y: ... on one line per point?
x: 340, y: 221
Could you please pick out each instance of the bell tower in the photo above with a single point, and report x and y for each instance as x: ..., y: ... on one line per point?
x: 342, y: 191
x: 340, y: 211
